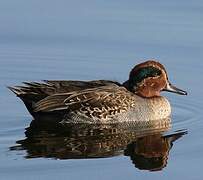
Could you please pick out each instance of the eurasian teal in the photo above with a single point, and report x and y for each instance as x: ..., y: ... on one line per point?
x: 103, y: 101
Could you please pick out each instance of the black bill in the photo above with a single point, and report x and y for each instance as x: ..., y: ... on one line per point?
x: 170, y: 88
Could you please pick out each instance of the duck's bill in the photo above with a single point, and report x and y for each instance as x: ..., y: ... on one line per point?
x: 170, y: 88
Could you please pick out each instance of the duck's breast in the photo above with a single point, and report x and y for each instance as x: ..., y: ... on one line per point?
x: 148, y: 109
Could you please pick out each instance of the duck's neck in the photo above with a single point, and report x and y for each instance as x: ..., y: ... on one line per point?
x: 127, y: 86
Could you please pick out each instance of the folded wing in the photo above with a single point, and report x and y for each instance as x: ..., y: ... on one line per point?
x: 100, y: 102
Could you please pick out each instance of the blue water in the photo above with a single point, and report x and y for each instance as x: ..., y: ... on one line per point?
x: 100, y: 40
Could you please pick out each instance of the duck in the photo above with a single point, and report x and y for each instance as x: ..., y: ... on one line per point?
x: 102, y: 101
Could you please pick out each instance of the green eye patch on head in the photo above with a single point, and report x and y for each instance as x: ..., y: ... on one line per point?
x: 144, y: 73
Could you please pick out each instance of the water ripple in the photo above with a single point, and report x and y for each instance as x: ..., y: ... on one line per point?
x: 186, y: 114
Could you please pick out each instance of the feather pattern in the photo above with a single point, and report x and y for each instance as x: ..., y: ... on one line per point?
x: 102, y: 102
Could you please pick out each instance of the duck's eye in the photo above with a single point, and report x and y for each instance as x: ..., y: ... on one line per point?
x: 144, y: 73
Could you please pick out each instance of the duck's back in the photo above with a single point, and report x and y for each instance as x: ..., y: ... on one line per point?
x: 32, y: 92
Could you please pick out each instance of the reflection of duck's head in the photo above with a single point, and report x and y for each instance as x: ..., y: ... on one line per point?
x: 149, y: 78
x: 151, y: 152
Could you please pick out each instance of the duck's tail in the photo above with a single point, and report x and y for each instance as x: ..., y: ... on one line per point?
x: 16, y: 90
x: 28, y: 95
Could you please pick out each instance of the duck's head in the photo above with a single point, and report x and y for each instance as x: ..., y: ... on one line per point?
x: 148, y: 79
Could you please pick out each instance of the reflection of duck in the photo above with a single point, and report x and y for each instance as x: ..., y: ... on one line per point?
x: 103, y: 101
x: 76, y: 141
x: 151, y: 152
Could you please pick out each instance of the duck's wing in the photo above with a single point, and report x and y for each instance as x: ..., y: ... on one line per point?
x: 69, y: 86
x: 101, y: 102
x: 32, y: 92
x: 50, y: 87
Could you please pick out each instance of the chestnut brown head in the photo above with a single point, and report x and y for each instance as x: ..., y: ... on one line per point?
x: 149, y: 78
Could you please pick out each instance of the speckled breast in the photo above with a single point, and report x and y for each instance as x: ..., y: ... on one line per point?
x: 147, y: 109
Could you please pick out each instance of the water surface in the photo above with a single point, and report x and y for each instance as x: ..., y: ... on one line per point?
x: 95, y: 40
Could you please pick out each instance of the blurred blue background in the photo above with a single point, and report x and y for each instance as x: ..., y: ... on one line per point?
x: 94, y: 39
